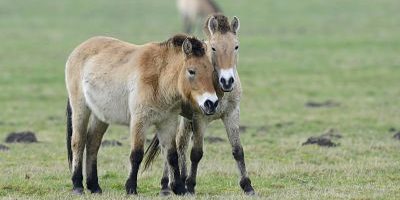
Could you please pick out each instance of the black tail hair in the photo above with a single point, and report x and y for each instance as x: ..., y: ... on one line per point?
x: 69, y: 133
x: 152, y: 152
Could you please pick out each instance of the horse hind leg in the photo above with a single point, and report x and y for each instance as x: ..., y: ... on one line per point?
x: 95, y: 133
x: 80, y: 117
x: 187, y: 24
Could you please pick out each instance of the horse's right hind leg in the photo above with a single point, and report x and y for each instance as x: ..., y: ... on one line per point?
x: 187, y: 24
x: 96, y: 131
x: 80, y: 117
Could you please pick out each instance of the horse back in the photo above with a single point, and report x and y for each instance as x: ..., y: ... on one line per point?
x: 102, y: 71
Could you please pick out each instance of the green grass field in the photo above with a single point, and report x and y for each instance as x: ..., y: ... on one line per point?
x: 291, y: 52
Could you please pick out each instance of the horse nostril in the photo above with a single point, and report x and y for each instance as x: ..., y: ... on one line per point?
x: 208, y: 104
x: 216, y: 104
x: 231, y: 80
x: 222, y: 80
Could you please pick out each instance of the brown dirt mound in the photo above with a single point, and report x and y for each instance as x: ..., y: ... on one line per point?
x: 111, y: 143
x: 325, y: 139
x: 397, y: 135
x: 242, y: 129
x: 321, y: 141
x: 21, y: 137
x: 213, y: 139
x: 328, y: 104
x: 4, y: 147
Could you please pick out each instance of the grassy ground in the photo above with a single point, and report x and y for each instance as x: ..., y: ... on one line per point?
x: 291, y: 52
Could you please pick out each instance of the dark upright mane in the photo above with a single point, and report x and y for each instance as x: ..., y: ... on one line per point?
x: 223, y: 24
x: 177, y: 41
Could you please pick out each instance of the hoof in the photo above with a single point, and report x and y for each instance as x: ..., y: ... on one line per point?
x: 131, y: 192
x: 77, y: 191
x: 190, y: 184
x: 190, y: 190
x: 96, y: 191
x: 250, y: 193
x: 130, y: 187
x: 178, y: 188
x: 165, y: 192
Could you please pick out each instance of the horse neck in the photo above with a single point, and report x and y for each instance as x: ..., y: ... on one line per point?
x: 169, y: 75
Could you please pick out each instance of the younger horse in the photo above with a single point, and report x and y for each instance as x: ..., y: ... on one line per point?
x: 223, y: 43
x: 114, y: 82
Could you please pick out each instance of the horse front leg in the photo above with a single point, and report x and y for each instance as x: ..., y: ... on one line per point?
x: 166, y: 134
x: 182, y: 141
x: 165, y: 190
x: 231, y: 122
x: 137, y: 127
x: 199, y: 125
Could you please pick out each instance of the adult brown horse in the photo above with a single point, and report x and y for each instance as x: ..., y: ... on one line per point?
x: 114, y: 82
x: 223, y: 50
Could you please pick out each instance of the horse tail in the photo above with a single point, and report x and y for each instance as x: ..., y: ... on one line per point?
x: 69, y: 133
x: 151, y: 152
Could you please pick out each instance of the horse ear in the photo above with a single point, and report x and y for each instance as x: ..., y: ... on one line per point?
x: 212, y: 25
x: 187, y: 47
x: 235, y: 24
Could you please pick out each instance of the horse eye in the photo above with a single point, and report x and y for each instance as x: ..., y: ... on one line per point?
x: 213, y: 49
x: 237, y: 47
x: 191, y: 72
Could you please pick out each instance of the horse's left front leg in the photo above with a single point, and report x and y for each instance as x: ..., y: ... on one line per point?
x: 199, y: 126
x: 137, y: 127
x: 166, y: 134
x: 231, y: 122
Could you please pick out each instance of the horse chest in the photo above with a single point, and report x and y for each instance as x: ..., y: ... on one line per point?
x: 226, y: 105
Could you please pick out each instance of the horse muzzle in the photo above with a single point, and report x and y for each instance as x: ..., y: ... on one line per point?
x: 209, y: 107
x: 208, y: 102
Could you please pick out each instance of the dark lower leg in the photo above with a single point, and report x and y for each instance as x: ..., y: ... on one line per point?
x: 245, y: 182
x: 93, y: 142
x: 92, y: 181
x: 77, y: 178
x: 195, y: 157
x: 136, y: 158
x: 164, y: 181
x: 177, y: 185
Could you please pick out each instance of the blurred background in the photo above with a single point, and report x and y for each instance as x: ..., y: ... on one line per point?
x: 305, y: 67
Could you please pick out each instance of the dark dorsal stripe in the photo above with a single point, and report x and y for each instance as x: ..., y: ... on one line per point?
x: 197, y: 46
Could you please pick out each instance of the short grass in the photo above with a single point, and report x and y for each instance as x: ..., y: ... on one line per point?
x: 291, y: 52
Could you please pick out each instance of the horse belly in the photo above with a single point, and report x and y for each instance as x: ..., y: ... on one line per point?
x: 109, y: 104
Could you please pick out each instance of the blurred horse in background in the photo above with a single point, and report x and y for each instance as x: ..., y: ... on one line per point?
x: 194, y: 10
